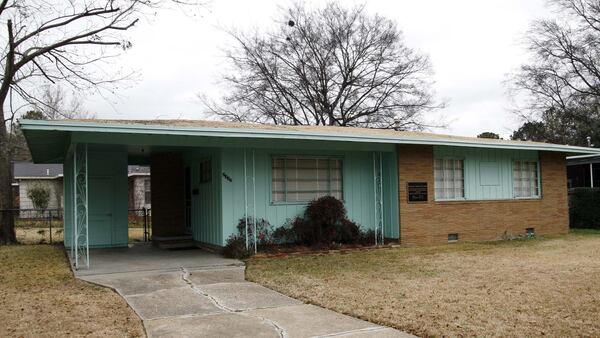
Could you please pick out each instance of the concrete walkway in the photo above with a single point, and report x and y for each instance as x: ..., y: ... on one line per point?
x: 215, y: 300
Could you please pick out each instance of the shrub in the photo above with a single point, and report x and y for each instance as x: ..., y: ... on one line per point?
x: 236, y: 248
x: 325, y: 222
x: 284, y: 234
x: 264, y: 231
x: 584, y: 211
x: 367, y: 238
x: 39, y: 196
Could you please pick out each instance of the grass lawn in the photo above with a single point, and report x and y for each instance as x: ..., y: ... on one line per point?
x: 41, y: 235
x: 513, y: 288
x: 39, y: 297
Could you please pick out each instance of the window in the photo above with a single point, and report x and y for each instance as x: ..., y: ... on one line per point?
x: 147, y: 192
x: 303, y: 179
x: 452, y: 237
x: 449, y: 179
x: 525, y: 179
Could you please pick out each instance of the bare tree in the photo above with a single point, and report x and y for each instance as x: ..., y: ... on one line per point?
x: 56, y: 41
x: 327, y: 66
x: 562, y: 79
x: 55, y: 104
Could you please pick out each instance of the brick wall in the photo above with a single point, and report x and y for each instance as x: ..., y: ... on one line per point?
x: 168, y: 209
x: 430, y: 222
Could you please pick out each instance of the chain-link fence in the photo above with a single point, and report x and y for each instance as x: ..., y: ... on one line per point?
x: 46, y: 226
x: 37, y: 226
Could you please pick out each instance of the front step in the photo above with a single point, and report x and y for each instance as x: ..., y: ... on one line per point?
x: 173, y: 242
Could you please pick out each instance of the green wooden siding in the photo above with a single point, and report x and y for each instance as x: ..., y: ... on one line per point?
x: 487, y: 172
x: 357, y: 185
x: 206, y: 204
x: 107, y: 194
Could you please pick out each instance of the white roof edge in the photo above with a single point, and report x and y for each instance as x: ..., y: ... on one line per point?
x: 576, y: 157
x: 289, y: 134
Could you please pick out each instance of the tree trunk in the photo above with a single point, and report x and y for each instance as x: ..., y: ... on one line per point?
x: 7, y: 236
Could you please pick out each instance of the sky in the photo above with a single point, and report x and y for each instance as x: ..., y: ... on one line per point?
x: 473, y: 46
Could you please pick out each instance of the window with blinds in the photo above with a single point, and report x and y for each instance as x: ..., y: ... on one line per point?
x: 302, y: 179
x: 525, y: 179
x: 449, y: 179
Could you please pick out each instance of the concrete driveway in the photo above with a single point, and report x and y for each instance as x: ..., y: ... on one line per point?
x: 216, y: 301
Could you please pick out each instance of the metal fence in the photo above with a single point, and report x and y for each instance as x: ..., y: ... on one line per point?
x: 37, y: 226
x: 140, y: 225
x: 41, y: 226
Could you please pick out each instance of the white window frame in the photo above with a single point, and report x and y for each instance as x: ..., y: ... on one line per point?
x: 538, y: 182
x: 285, y: 192
x: 435, y: 178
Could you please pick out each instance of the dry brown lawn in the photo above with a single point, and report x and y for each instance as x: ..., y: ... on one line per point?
x: 37, y: 235
x: 39, y: 297
x: 518, y: 288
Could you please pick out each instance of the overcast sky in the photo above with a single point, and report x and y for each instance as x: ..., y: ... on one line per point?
x: 472, y: 44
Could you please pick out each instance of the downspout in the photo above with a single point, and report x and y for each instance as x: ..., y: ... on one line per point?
x: 381, y: 197
x: 245, y: 199
x: 375, y: 195
x: 87, y: 213
x: 254, y: 199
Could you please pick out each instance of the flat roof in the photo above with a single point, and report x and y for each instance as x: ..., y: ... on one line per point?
x: 203, y: 128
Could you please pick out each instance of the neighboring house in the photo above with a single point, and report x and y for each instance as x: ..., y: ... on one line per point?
x: 28, y: 175
x: 139, y: 187
x: 583, y: 171
x: 417, y: 188
x: 50, y: 176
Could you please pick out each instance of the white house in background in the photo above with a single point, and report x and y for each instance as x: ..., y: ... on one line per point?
x: 28, y: 175
x: 139, y: 187
x: 50, y: 176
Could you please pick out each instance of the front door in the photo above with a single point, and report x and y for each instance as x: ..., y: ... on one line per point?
x: 100, y: 211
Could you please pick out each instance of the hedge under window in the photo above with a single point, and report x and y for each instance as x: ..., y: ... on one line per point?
x: 449, y: 179
x: 301, y: 179
x: 525, y: 179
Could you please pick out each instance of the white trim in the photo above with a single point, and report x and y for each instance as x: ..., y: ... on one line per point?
x: 295, y: 134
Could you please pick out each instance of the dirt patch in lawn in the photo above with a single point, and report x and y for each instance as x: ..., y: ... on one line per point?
x: 517, y: 288
x: 39, y: 297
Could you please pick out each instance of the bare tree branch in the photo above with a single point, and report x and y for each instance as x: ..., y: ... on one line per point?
x: 327, y: 66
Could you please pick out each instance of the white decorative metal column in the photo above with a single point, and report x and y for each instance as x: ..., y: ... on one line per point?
x: 378, y: 197
x: 80, y: 242
x: 250, y: 240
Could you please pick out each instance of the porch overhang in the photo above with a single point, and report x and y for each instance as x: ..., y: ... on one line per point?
x: 48, y: 140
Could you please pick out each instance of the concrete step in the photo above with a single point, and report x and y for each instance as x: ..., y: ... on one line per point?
x: 173, y: 242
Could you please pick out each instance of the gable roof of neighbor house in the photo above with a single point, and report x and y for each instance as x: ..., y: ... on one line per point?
x: 29, y: 170
x: 38, y: 134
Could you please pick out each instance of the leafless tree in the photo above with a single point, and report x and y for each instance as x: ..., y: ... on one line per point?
x: 327, y: 66
x: 55, y: 104
x: 68, y: 42
x: 563, y: 76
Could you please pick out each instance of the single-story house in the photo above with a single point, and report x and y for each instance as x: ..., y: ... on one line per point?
x: 29, y: 175
x: 417, y: 188
x: 583, y: 171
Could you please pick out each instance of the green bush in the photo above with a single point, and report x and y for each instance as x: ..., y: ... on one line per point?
x: 584, y: 211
